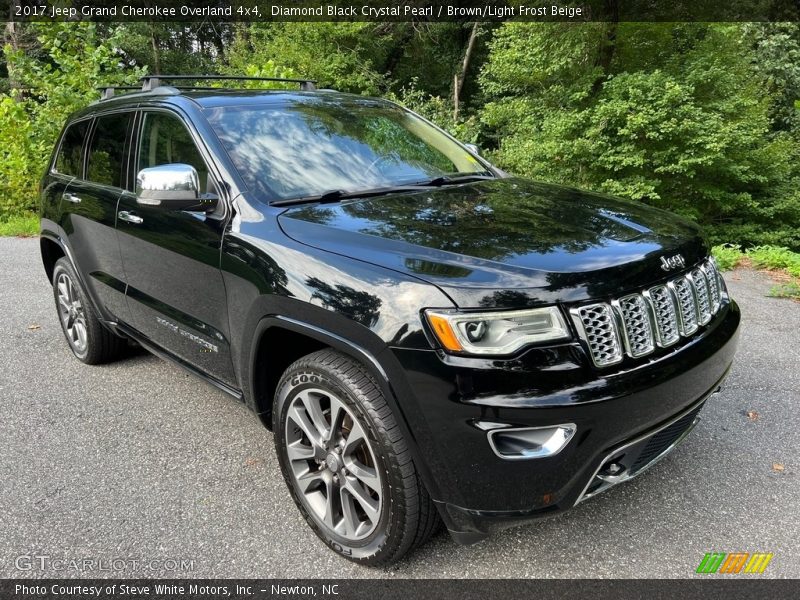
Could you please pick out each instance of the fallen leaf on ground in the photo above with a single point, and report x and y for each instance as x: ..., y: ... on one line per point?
x: 34, y: 326
x: 752, y: 415
x: 251, y: 462
x: 777, y: 467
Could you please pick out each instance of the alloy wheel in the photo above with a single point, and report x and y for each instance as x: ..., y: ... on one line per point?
x: 333, y: 464
x: 72, y: 314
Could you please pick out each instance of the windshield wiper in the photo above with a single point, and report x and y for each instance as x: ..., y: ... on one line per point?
x: 336, y: 195
x: 454, y: 179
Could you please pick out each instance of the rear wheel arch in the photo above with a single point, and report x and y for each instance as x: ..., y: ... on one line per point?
x: 51, y: 252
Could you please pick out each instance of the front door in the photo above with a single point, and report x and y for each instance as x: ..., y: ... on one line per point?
x: 176, y: 294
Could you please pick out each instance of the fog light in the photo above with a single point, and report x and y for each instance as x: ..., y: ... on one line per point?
x: 531, y: 442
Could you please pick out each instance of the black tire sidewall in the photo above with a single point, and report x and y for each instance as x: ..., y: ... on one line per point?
x: 384, y: 537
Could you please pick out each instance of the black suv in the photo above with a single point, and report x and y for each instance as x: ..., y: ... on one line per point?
x: 428, y: 338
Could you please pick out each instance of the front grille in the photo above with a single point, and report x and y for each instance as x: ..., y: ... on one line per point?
x: 636, y: 324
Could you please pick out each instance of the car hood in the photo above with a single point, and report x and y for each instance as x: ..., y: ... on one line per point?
x: 506, y: 242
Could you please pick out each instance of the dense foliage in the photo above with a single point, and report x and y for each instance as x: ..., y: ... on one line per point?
x: 697, y: 118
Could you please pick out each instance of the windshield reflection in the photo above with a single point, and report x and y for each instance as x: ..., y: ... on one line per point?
x: 294, y: 149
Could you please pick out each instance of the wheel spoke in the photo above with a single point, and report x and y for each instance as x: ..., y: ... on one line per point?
x: 298, y: 451
x: 350, y: 521
x: 63, y: 302
x: 353, y: 440
x: 81, y: 329
x: 309, y: 480
x: 360, y: 495
x: 62, y: 289
x: 366, y: 475
x: 314, y: 410
x: 332, y: 500
x: 337, y: 416
x: 301, y: 420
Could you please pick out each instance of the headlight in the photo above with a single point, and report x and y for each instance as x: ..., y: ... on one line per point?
x: 496, y: 332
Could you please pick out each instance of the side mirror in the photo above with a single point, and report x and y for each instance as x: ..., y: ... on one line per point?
x: 172, y: 187
x: 473, y: 148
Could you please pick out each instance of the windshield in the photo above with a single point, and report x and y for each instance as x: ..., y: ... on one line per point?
x: 298, y: 149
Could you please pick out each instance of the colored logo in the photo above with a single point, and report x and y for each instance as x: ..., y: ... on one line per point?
x: 734, y: 562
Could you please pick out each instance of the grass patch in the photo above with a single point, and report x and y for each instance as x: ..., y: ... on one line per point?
x: 20, y: 226
x: 783, y: 264
x: 727, y: 256
x: 770, y: 257
x: 786, y: 290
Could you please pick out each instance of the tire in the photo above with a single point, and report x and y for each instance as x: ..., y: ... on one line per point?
x: 380, y: 508
x: 87, y: 337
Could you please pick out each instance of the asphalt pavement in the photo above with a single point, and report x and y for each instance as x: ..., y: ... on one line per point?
x: 140, y: 463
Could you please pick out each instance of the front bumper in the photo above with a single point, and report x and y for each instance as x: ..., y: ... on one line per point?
x: 449, y: 402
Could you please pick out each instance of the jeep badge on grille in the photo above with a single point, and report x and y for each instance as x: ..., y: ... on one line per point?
x: 672, y: 262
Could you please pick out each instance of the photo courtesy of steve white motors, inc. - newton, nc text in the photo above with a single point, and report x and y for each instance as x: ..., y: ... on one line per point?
x: 417, y: 299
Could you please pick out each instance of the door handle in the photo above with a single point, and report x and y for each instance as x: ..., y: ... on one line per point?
x: 71, y: 198
x: 124, y: 215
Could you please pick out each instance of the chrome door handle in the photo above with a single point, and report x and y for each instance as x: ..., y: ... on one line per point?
x: 71, y: 198
x: 124, y: 215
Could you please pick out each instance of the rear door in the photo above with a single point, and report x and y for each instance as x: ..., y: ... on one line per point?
x: 89, y: 209
x: 175, y: 292
x: 68, y: 165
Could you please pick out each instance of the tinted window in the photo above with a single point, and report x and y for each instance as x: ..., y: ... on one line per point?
x: 106, y: 152
x: 70, y: 154
x: 165, y: 140
x: 307, y: 148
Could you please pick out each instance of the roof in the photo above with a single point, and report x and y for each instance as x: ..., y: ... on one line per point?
x: 214, y: 98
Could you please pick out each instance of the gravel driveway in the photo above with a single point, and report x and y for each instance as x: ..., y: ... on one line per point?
x: 138, y: 460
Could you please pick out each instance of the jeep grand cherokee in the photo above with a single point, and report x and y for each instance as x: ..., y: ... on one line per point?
x: 428, y: 338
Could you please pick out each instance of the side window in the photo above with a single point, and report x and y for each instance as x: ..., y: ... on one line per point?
x: 106, y: 162
x: 165, y: 140
x: 70, y: 155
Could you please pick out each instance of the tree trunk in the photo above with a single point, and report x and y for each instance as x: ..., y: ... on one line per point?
x: 154, y: 45
x: 608, y: 47
x: 456, y: 88
x: 458, y: 82
x: 10, y: 39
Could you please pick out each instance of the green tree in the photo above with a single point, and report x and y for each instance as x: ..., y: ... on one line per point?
x: 60, y: 78
x: 673, y: 115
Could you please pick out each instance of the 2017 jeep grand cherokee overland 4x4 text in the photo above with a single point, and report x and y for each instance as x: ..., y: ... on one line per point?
x: 428, y: 338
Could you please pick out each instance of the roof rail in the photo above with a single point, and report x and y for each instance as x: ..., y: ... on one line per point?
x: 108, y: 91
x: 150, y: 82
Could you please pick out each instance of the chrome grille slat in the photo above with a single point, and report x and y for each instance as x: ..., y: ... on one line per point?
x: 687, y: 308
x: 666, y: 315
x: 637, y: 329
x: 712, y: 277
x: 635, y: 324
x: 702, y: 295
x: 600, y: 332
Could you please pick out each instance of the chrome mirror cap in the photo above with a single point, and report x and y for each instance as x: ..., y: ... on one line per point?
x: 175, y: 183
